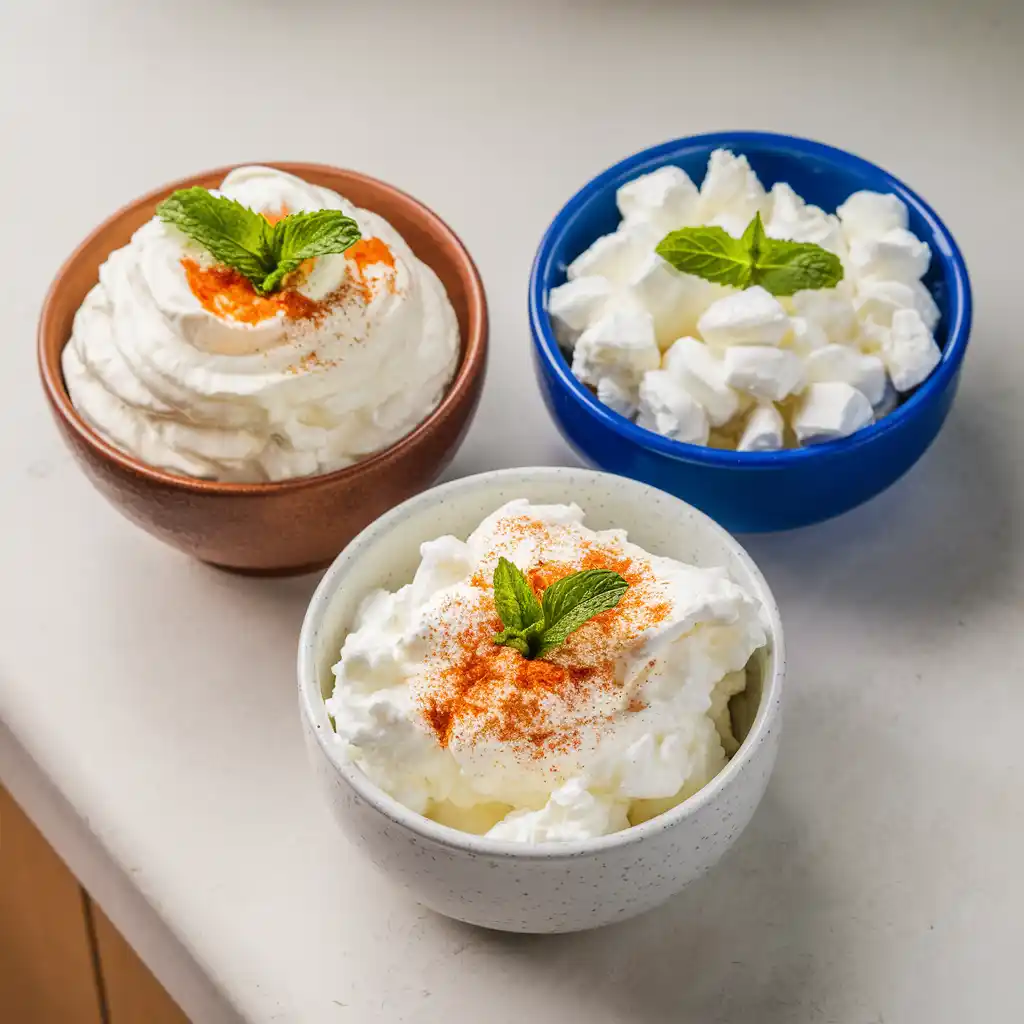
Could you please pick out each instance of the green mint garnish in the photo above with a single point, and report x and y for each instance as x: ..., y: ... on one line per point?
x: 534, y: 628
x: 785, y: 268
x: 708, y: 252
x: 247, y: 242
x: 778, y: 266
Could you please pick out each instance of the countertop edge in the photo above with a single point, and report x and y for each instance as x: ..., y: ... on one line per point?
x: 129, y: 910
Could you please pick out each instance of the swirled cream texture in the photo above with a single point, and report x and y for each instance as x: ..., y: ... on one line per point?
x: 623, y: 721
x: 179, y: 363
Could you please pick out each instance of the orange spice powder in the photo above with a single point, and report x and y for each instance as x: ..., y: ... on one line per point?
x: 226, y: 293
x: 272, y: 216
x: 504, y: 696
x: 497, y: 694
x: 368, y: 252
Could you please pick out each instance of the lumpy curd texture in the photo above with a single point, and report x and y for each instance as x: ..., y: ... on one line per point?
x: 181, y: 364
x: 710, y: 365
x: 623, y: 721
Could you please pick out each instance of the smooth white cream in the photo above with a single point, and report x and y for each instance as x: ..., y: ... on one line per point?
x: 725, y: 353
x: 632, y: 720
x: 204, y: 394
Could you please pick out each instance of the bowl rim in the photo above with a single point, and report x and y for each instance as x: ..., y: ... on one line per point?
x: 474, y: 345
x: 945, y: 249
x: 314, y: 711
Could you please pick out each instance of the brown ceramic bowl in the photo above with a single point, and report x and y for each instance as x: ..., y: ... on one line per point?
x: 293, y: 525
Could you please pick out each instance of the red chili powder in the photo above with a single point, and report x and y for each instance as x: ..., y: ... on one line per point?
x: 503, y: 696
x: 366, y: 253
x: 227, y: 293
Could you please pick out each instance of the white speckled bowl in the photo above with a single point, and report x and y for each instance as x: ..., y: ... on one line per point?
x: 550, y: 887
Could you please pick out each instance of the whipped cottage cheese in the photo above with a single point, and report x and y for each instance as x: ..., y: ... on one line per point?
x: 708, y: 364
x: 623, y: 721
x: 182, y: 365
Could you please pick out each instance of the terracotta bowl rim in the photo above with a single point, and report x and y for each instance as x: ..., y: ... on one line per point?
x: 470, y: 366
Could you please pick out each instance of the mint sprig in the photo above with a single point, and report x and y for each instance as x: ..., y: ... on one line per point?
x: 708, y: 252
x: 246, y: 241
x: 780, y: 267
x: 535, y: 628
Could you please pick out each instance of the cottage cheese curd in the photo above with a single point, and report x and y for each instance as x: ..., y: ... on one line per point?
x: 182, y: 365
x: 623, y: 721
x: 707, y: 364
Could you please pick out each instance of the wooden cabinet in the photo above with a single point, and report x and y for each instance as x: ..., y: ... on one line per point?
x: 61, y: 960
x: 47, y: 974
x: 132, y: 993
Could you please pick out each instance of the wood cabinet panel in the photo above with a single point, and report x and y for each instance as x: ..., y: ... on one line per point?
x: 132, y: 993
x: 47, y: 974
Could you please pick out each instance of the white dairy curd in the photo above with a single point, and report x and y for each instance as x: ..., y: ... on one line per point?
x: 180, y: 364
x: 706, y: 364
x: 623, y: 721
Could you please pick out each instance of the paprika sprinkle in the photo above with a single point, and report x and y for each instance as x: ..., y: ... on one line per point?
x: 369, y: 252
x: 226, y: 293
x: 538, y: 706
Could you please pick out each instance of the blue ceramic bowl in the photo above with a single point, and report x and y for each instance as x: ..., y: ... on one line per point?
x: 753, y: 491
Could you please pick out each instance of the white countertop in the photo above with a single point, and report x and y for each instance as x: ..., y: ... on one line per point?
x: 147, y: 703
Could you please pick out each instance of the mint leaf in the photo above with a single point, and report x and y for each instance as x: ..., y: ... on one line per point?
x: 568, y: 592
x: 535, y: 628
x: 230, y: 232
x: 754, y: 238
x: 303, y: 236
x: 784, y: 268
x: 577, y: 599
x: 514, y: 639
x: 244, y: 240
x: 708, y: 252
x: 778, y: 266
x: 514, y: 598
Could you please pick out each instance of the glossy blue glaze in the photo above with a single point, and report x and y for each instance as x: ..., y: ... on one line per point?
x: 753, y: 491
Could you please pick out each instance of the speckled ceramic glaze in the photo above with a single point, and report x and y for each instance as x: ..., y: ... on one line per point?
x: 550, y: 887
x: 286, y: 526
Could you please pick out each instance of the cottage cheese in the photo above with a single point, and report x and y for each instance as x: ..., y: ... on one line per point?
x: 623, y: 721
x: 202, y: 383
x: 706, y: 364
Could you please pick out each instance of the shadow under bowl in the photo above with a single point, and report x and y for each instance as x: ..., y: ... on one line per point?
x: 287, y: 526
